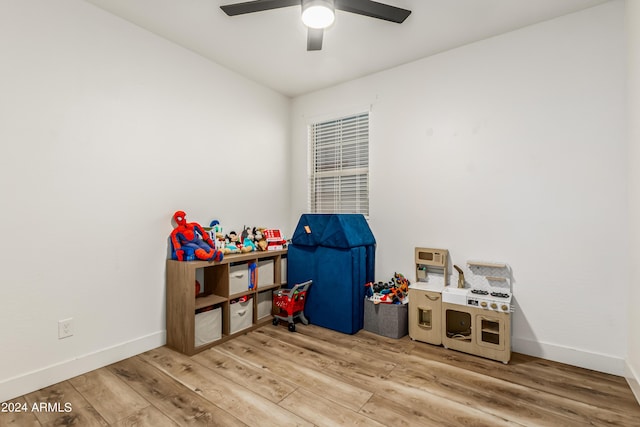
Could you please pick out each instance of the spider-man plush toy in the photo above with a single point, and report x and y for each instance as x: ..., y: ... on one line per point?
x: 190, y: 241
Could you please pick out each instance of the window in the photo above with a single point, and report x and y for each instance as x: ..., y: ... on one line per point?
x: 339, y: 173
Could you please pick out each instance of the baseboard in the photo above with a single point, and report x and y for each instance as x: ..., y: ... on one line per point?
x: 634, y: 380
x: 595, y: 361
x: 35, y: 380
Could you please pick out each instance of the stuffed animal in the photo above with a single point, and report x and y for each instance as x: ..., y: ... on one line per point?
x: 216, y: 234
x: 232, y: 243
x: 248, y: 244
x: 190, y: 241
x: 260, y: 239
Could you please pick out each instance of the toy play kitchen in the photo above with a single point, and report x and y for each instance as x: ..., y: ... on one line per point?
x: 472, y: 314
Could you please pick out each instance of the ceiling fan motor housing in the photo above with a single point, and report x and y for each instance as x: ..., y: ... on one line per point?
x: 318, y: 13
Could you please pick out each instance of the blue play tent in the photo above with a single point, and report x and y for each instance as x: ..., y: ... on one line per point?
x: 337, y: 252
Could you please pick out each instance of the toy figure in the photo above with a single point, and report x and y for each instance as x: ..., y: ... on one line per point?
x: 253, y: 275
x: 231, y: 246
x: 247, y: 240
x: 216, y: 234
x: 190, y: 241
x: 393, y: 292
x: 260, y: 239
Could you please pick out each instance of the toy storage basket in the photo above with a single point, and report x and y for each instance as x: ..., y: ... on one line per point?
x: 290, y: 304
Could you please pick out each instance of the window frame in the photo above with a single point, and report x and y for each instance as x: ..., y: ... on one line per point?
x: 347, y: 185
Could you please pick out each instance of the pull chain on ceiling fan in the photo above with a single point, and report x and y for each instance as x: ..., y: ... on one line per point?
x: 319, y: 14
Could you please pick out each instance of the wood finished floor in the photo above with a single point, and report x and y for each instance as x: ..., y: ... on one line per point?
x: 271, y: 377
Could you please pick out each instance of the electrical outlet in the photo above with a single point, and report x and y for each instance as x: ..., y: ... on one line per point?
x: 65, y: 328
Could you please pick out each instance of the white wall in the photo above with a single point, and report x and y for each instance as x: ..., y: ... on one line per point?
x: 633, y: 46
x: 105, y: 131
x: 511, y: 149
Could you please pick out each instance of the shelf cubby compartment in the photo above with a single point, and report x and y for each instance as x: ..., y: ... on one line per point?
x: 208, y: 326
x: 264, y: 303
x: 208, y: 300
x: 283, y: 269
x: 215, y: 277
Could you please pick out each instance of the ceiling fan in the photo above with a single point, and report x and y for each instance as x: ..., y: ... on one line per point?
x: 319, y: 14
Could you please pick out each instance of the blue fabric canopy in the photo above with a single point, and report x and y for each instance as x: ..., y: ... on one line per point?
x: 337, y: 252
x: 333, y: 231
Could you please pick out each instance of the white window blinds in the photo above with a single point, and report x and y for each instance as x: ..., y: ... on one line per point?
x: 339, y: 179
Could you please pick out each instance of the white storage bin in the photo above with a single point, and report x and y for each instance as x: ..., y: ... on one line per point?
x: 208, y: 326
x: 238, y: 278
x: 240, y: 315
x: 265, y: 273
x: 265, y: 301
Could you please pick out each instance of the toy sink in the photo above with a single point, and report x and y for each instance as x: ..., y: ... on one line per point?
x: 455, y: 295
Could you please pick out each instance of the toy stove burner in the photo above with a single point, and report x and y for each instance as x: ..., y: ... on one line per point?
x: 479, y: 292
x: 494, y: 301
x: 500, y: 295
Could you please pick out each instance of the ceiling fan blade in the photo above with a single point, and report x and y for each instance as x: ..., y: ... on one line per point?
x: 373, y: 9
x: 314, y: 38
x: 257, y: 6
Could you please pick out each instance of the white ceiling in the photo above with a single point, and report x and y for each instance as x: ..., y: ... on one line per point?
x: 270, y: 47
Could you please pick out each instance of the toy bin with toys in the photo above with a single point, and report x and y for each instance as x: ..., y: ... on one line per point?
x: 385, y: 308
x: 389, y: 320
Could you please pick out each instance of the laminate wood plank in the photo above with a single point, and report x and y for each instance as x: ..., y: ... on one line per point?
x: 288, y: 350
x: 177, y: 402
x: 243, y: 403
x: 417, y: 410
x: 352, y: 368
x: 459, y: 385
x: 531, y: 372
x: 146, y: 380
x: 581, y: 396
x: 571, y: 381
x: 60, y: 395
x: 336, y: 353
x: 594, y: 388
x: 112, y: 398
x: 551, y: 377
x: 383, y: 383
x: 190, y: 409
x: 18, y: 415
x: 348, y: 369
x: 324, y: 377
x: 146, y: 417
x: 549, y: 409
x: 296, y: 372
x: 403, y: 345
x: 511, y: 401
x: 245, y: 374
x: 314, y: 408
x: 491, y: 394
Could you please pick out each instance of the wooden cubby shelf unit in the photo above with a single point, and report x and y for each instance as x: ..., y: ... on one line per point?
x: 216, y: 292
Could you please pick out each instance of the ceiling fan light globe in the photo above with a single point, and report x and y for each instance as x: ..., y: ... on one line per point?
x: 318, y: 14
